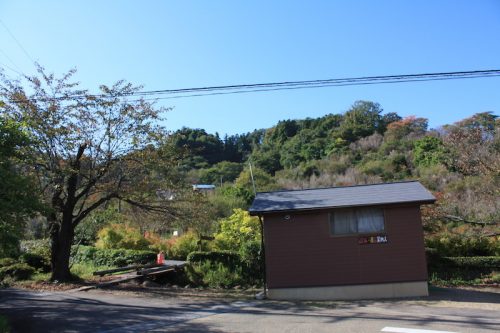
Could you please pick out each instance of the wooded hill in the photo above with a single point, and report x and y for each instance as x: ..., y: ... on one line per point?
x: 459, y: 162
x: 81, y: 163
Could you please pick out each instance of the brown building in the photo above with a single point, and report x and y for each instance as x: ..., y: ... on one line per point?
x: 349, y: 242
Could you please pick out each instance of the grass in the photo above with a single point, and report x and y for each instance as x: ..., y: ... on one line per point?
x: 85, y: 270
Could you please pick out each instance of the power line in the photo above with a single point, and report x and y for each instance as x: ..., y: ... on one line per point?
x: 17, y: 42
x: 11, y: 61
x: 10, y: 68
x: 288, y: 85
x: 314, y: 86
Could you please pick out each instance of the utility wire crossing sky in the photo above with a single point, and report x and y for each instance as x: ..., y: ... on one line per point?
x: 260, y: 87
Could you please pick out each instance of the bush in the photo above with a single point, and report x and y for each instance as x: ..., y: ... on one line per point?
x: 7, y: 262
x: 462, y: 268
x: 215, y: 269
x: 448, y: 245
x: 36, y: 261
x: 253, y: 262
x: 17, y: 271
x: 221, y: 269
x: 215, y: 275
x: 112, y: 257
x: 39, y: 247
x: 228, y: 258
x: 237, y: 229
x: 87, y: 230
x: 182, y: 246
x: 120, y: 236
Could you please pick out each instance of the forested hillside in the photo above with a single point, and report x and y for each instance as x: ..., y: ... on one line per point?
x: 459, y: 162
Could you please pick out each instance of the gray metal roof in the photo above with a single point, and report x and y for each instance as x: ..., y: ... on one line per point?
x: 334, y: 197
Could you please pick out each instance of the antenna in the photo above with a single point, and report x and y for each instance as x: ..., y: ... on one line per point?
x: 251, y: 176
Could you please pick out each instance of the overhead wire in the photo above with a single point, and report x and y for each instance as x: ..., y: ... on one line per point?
x: 12, y: 62
x: 17, y: 42
x: 286, y: 85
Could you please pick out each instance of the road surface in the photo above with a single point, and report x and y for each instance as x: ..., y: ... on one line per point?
x: 107, y: 311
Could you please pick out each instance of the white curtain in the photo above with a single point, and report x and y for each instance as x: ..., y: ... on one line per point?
x: 344, y: 222
x: 370, y: 220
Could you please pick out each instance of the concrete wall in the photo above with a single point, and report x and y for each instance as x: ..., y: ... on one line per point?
x: 363, y: 291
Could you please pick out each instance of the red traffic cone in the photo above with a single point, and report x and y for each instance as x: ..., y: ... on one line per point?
x: 160, y: 258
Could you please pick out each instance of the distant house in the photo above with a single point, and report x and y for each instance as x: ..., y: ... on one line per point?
x: 349, y: 242
x: 205, y: 188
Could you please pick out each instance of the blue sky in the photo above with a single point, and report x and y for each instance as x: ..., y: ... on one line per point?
x: 180, y: 44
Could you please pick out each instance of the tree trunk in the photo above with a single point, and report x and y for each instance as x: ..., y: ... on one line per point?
x: 61, y: 240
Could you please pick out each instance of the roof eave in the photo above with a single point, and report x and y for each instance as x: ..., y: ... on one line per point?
x: 262, y: 212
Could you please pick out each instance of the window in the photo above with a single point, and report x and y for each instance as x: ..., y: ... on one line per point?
x: 356, y: 221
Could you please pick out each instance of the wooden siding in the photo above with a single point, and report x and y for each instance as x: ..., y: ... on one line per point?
x: 301, y: 252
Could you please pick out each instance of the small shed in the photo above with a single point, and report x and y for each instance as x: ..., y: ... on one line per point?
x: 352, y: 242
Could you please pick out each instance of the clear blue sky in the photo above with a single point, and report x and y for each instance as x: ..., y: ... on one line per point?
x: 180, y: 44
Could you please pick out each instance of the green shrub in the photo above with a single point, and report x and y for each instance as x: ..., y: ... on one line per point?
x: 18, y: 271
x: 7, y: 262
x: 448, y: 245
x: 112, y: 257
x: 214, y: 274
x: 485, y: 263
x: 253, y: 262
x: 236, y: 230
x: 227, y: 258
x: 217, y: 275
x: 461, y: 268
x: 87, y: 230
x: 36, y: 261
x: 40, y: 247
x: 120, y: 236
x: 183, y: 245
x: 222, y: 269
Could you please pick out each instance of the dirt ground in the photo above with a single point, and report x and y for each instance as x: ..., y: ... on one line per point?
x: 476, y: 297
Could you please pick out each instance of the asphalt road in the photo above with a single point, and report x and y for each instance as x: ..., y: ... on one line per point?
x: 101, y: 311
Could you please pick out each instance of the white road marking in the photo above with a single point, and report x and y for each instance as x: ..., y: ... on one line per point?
x: 410, y: 330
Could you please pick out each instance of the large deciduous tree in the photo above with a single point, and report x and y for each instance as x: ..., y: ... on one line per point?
x: 89, y: 149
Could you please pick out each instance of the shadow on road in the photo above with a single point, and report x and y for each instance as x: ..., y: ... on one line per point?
x: 60, y: 312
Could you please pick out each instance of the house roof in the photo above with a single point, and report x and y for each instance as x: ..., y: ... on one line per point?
x: 335, y: 197
x: 203, y: 187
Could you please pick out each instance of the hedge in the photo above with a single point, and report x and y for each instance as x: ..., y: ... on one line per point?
x: 111, y: 257
x: 464, y: 268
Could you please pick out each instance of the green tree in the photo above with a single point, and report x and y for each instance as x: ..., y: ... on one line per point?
x: 224, y: 171
x: 363, y: 119
x: 428, y: 151
x: 199, y: 144
x: 18, y: 200
x: 90, y: 149
x: 267, y: 158
x: 237, y: 229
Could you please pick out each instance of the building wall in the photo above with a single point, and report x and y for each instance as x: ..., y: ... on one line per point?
x: 300, y: 252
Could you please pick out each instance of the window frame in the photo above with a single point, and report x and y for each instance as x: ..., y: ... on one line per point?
x: 331, y: 214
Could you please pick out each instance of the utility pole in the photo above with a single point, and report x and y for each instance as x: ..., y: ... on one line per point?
x: 253, y: 181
